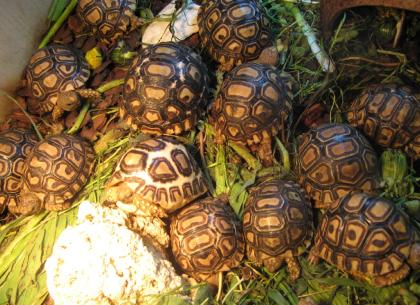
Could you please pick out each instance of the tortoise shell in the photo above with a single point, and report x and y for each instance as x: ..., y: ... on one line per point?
x: 390, y: 116
x: 51, y: 70
x: 253, y: 104
x: 165, y: 87
x: 206, y: 238
x: 234, y: 31
x: 367, y: 237
x: 55, y: 171
x: 15, y: 146
x: 108, y: 20
x: 160, y: 171
x: 334, y: 159
x: 277, y: 223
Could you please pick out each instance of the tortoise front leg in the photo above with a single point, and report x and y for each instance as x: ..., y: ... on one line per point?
x: 70, y: 100
x: 293, y: 267
x: 264, y: 151
x: 152, y: 227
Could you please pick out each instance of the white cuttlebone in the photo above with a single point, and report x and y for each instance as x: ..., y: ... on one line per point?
x: 100, y: 261
x: 175, y: 28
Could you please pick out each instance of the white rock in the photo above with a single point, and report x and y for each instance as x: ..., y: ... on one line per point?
x: 101, y: 262
x: 184, y: 24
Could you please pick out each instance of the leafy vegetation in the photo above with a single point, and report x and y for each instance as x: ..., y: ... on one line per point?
x: 360, y: 59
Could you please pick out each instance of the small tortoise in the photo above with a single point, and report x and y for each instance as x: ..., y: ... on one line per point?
x: 253, y: 105
x: 277, y: 225
x: 165, y: 88
x: 108, y: 20
x: 155, y: 177
x: 55, y: 171
x: 53, y: 71
x: 369, y: 238
x: 15, y: 147
x: 206, y: 238
x: 334, y: 159
x: 390, y: 116
x: 234, y: 31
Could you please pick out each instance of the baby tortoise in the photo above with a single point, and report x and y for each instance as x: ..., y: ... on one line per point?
x: 235, y: 32
x: 369, y: 238
x: 334, y: 159
x: 15, y: 147
x: 252, y: 107
x: 165, y: 90
x: 108, y: 20
x: 206, y: 238
x: 53, y: 73
x: 153, y: 178
x: 55, y: 172
x: 278, y: 225
x: 390, y: 116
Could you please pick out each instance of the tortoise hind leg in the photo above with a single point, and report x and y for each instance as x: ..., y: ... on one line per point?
x: 392, y: 277
x: 293, y: 267
x: 313, y: 257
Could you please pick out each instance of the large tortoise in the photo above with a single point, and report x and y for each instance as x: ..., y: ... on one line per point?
x: 53, y: 71
x: 390, y: 116
x: 252, y: 107
x: 55, y: 172
x: 334, y: 159
x: 369, y: 238
x: 165, y: 89
x: 153, y: 178
x: 206, y: 238
x: 234, y: 31
x: 278, y: 225
x: 15, y: 147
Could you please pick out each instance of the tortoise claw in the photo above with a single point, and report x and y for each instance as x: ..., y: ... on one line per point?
x: 313, y: 258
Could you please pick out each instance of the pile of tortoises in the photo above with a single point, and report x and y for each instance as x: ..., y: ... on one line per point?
x: 166, y: 92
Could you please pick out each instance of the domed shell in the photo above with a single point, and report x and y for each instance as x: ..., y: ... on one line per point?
x: 277, y: 223
x: 206, y: 238
x: 55, y: 171
x: 164, y: 90
x: 366, y: 236
x: 160, y: 171
x: 234, y: 31
x: 334, y: 159
x: 15, y: 146
x: 51, y: 70
x: 253, y: 104
x: 390, y: 116
x: 106, y: 19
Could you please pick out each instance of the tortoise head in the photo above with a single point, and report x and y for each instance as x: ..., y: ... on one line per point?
x: 414, y: 257
x: 29, y: 204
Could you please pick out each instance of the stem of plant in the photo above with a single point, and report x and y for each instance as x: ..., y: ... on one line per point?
x: 201, y: 136
x: 109, y: 85
x: 220, y: 171
x: 321, y: 56
x: 284, y: 155
x: 79, y: 119
x: 58, y: 23
x: 25, y: 113
x: 246, y: 155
